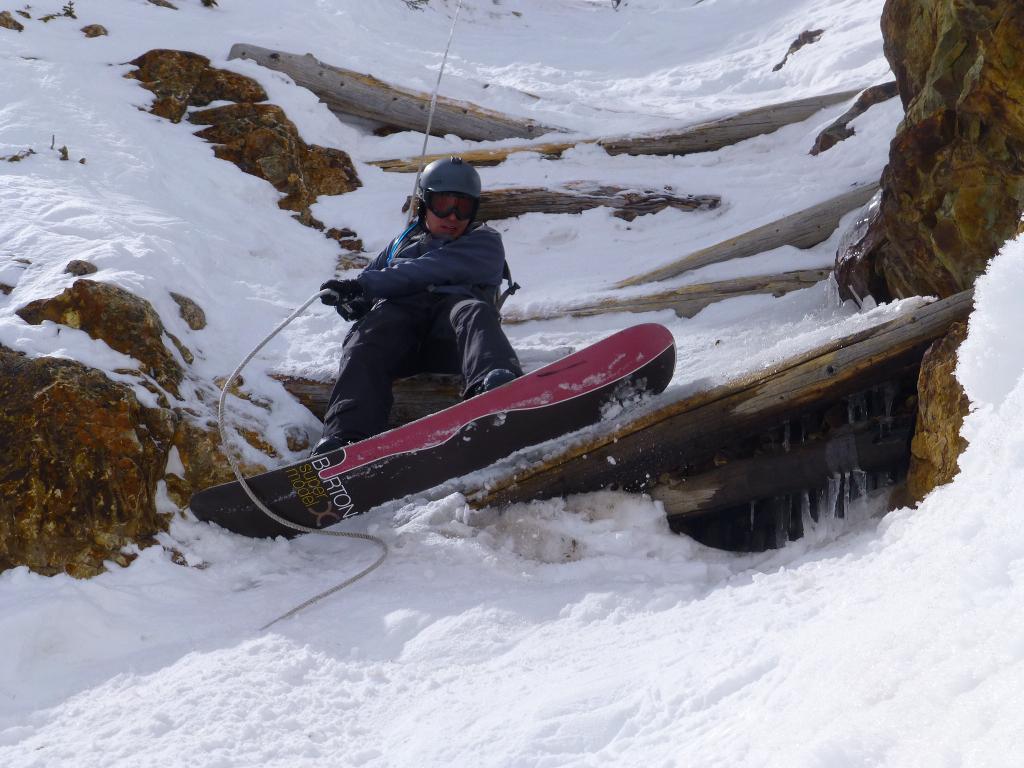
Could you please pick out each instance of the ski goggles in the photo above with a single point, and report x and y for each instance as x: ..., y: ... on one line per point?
x: 444, y: 204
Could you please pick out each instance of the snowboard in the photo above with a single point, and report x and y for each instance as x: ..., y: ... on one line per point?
x: 559, y: 398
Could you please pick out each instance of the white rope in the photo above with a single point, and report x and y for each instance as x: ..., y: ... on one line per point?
x: 227, y: 384
x: 263, y: 507
x: 430, y: 115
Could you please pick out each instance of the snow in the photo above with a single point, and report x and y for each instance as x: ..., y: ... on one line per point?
x: 573, y: 631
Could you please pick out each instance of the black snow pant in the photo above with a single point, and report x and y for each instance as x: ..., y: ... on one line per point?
x: 427, y: 332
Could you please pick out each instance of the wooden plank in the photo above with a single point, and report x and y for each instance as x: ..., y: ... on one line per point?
x: 707, y: 137
x: 415, y: 397
x: 480, y: 158
x: 803, y: 229
x: 577, y: 197
x: 703, y: 137
x: 632, y: 454
x: 351, y: 93
x: 685, y: 301
x: 848, y: 448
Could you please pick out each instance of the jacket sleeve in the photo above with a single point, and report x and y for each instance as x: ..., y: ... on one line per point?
x: 476, y: 258
x: 380, y: 261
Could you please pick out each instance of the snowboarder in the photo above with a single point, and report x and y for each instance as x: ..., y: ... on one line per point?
x: 428, y: 302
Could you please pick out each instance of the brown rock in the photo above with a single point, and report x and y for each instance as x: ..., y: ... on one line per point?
x: 199, y: 448
x: 953, y: 191
x: 9, y: 22
x: 840, y: 129
x: 191, y: 312
x: 181, y: 79
x: 854, y: 270
x: 94, y: 30
x: 125, y: 322
x: 346, y: 238
x: 261, y: 140
x: 942, y: 406
x: 80, y: 485
x: 355, y: 260
x: 80, y: 268
x: 298, y: 439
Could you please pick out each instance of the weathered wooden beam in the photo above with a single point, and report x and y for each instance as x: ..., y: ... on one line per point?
x: 579, y: 196
x: 803, y: 229
x: 703, y: 137
x: 351, y: 93
x: 848, y: 448
x: 481, y: 158
x: 633, y: 453
x: 415, y: 397
x: 686, y: 301
x: 716, y: 134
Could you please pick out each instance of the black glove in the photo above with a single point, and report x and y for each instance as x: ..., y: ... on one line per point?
x: 344, y: 292
x: 355, y: 309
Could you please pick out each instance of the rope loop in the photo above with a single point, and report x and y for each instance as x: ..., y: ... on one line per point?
x: 259, y: 503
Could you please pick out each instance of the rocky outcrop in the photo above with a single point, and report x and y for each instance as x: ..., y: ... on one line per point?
x: 258, y: 138
x: 181, y: 79
x: 122, y: 320
x: 942, y: 406
x: 202, y: 463
x: 190, y: 312
x: 94, y: 30
x: 9, y: 22
x: 261, y: 140
x: 79, y: 483
x: 82, y: 482
x: 80, y: 268
x: 953, y: 190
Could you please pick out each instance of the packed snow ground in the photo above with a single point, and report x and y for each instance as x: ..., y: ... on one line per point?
x: 567, y: 632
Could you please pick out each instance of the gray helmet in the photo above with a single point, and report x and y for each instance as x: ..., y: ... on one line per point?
x: 449, y: 174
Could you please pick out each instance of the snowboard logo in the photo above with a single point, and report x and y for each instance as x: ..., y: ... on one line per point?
x: 340, y: 505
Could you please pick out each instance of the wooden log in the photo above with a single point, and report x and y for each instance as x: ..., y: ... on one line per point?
x: 703, y: 137
x: 707, y: 137
x: 415, y: 397
x: 480, y: 158
x: 851, y: 447
x: 803, y: 229
x: 631, y: 454
x: 578, y: 196
x: 350, y: 93
x: 686, y: 301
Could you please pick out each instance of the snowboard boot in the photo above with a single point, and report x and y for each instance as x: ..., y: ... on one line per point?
x: 492, y: 380
x: 329, y: 443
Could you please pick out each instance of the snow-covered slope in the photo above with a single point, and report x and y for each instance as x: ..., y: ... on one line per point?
x: 570, y: 632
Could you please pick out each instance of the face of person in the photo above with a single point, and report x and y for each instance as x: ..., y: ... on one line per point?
x: 443, y: 215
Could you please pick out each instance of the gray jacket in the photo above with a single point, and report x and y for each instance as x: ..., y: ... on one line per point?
x: 471, y: 265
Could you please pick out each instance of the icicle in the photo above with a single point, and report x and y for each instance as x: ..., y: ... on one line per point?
x: 885, y: 422
x: 856, y: 408
x: 845, y: 507
x: 833, y: 497
x: 785, y: 437
x: 780, y: 511
x: 889, y: 390
x: 860, y: 483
